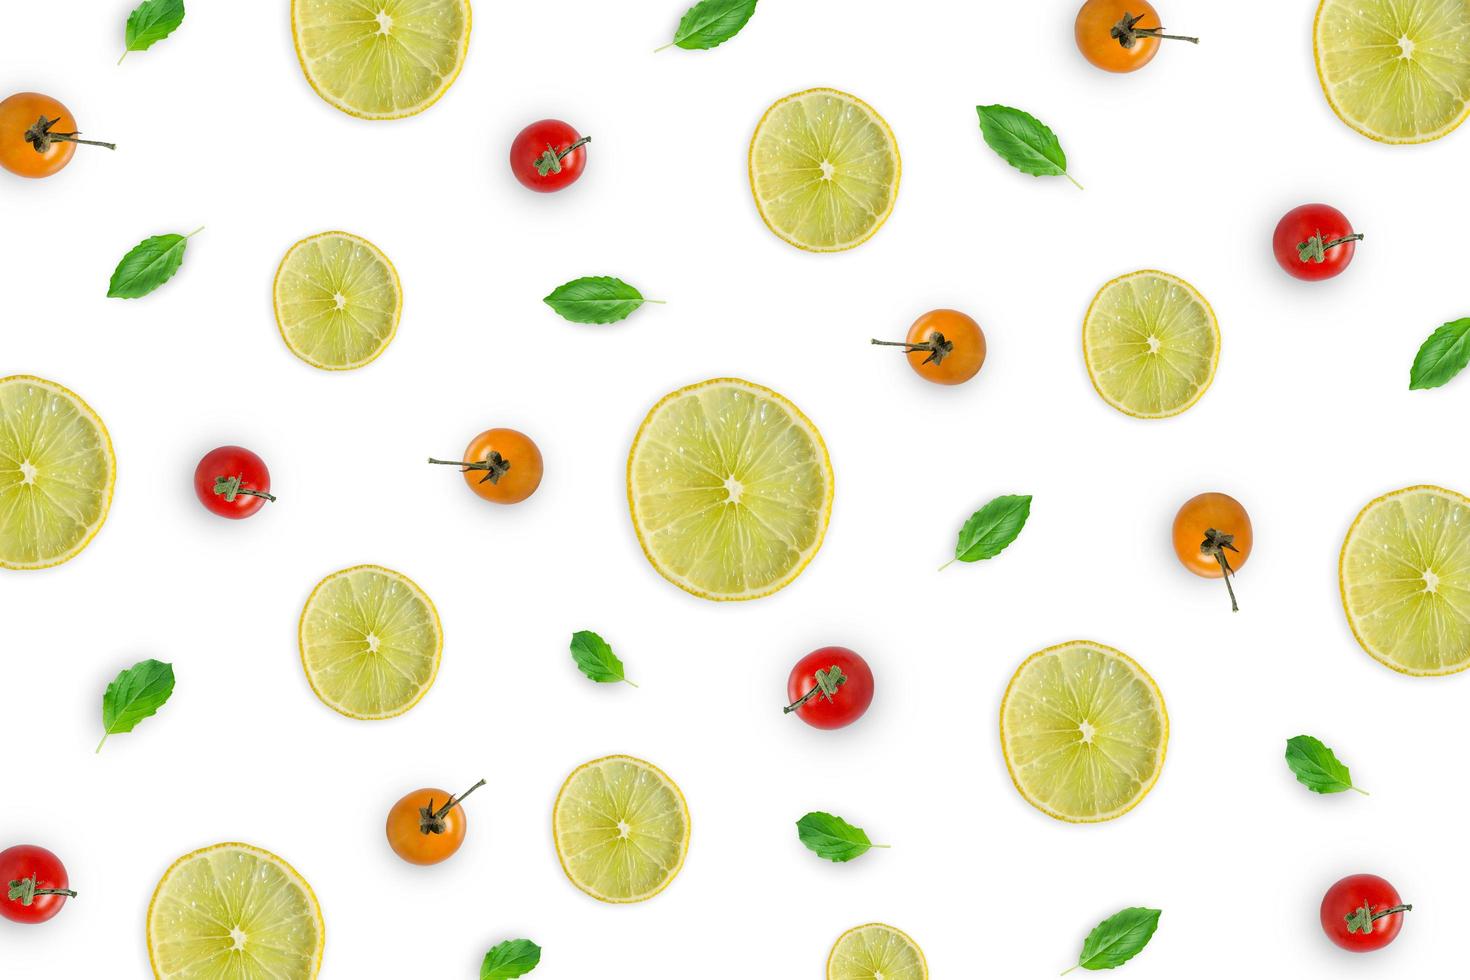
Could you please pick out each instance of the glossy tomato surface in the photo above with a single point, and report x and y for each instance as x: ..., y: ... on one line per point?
x: 502, y: 466
x: 548, y: 155
x: 422, y: 831
x: 846, y: 704
x: 952, y: 347
x: 232, y: 482
x: 1314, y: 242
x: 1094, y: 32
x: 19, y: 114
x: 1362, y: 913
x: 29, y: 870
x: 1197, y: 517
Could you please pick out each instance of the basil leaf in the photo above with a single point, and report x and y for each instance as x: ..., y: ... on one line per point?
x: 135, y: 694
x: 1117, y: 939
x: 833, y: 838
x: 510, y: 959
x: 711, y: 23
x: 596, y: 659
x: 1316, y: 767
x: 1442, y: 356
x: 991, y: 529
x: 150, y: 22
x: 1023, y: 141
x: 595, y: 299
x: 150, y: 264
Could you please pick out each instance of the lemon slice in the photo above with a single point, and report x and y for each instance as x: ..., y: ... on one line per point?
x: 824, y: 170
x: 234, y: 912
x: 381, y: 59
x: 370, y: 642
x: 337, y: 300
x: 876, y: 952
x: 730, y: 489
x: 1397, y: 71
x: 1405, y: 578
x: 1084, y: 731
x: 621, y: 829
x: 1151, y: 344
x: 56, y: 473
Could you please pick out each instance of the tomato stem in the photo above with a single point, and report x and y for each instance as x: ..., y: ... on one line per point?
x: 40, y: 136
x: 1126, y: 32
x: 1361, y: 919
x: 494, y: 465
x: 1314, y: 249
x: 229, y: 487
x: 828, y: 681
x: 550, y: 161
x: 431, y: 821
x: 938, y: 347
x: 1215, y: 545
x: 25, y: 891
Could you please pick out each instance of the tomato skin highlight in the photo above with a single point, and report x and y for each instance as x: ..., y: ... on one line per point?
x: 232, y: 463
x: 1299, y: 226
x: 847, y: 704
x: 535, y: 142
x: 505, y: 466
x: 21, y: 862
x: 1347, y: 897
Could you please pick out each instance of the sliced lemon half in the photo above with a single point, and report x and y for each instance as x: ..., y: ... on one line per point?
x: 370, y: 642
x: 381, y: 59
x: 1084, y: 732
x: 1397, y: 71
x: 1404, y: 573
x: 876, y: 952
x: 234, y: 912
x: 621, y: 829
x: 337, y: 301
x: 730, y: 489
x: 1151, y: 344
x: 824, y: 169
x: 57, y: 470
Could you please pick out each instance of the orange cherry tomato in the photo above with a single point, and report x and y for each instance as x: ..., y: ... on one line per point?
x: 37, y: 135
x: 1212, y: 537
x: 943, y: 346
x: 1121, y: 35
x: 501, y: 465
x: 428, y: 825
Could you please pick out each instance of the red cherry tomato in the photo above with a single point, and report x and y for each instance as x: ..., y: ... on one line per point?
x: 830, y: 688
x: 1362, y: 913
x: 548, y: 155
x: 1314, y: 242
x: 232, y: 482
x: 34, y: 883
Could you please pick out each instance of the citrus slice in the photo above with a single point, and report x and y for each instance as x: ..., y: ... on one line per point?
x: 1397, y: 71
x: 234, y: 912
x: 56, y: 473
x: 1151, y: 344
x: 1405, y: 579
x: 370, y: 642
x: 824, y: 170
x: 337, y: 300
x: 381, y: 59
x: 621, y: 829
x: 1084, y: 731
x: 730, y: 489
x: 876, y: 952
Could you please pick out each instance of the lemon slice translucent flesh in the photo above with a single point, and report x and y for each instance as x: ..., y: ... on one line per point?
x: 1084, y: 732
x: 876, y: 952
x: 1405, y: 578
x: 1151, y: 344
x: 56, y: 473
x: 621, y: 828
x: 824, y: 168
x: 1397, y: 71
x: 337, y: 301
x: 370, y: 642
x: 730, y: 489
x: 381, y: 59
x: 234, y: 912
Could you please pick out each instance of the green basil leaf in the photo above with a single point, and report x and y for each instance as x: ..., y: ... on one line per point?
x: 596, y: 659
x: 1442, y: 356
x: 135, y: 694
x: 595, y: 299
x: 711, y: 23
x: 150, y: 264
x: 1118, y: 938
x: 1023, y: 141
x: 1316, y: 767
x: 992, y: 528
x: 510, y: 959
x: 832, y: 837
x: 150, y: 22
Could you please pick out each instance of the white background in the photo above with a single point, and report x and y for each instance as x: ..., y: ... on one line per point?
x: 1187, y: 164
